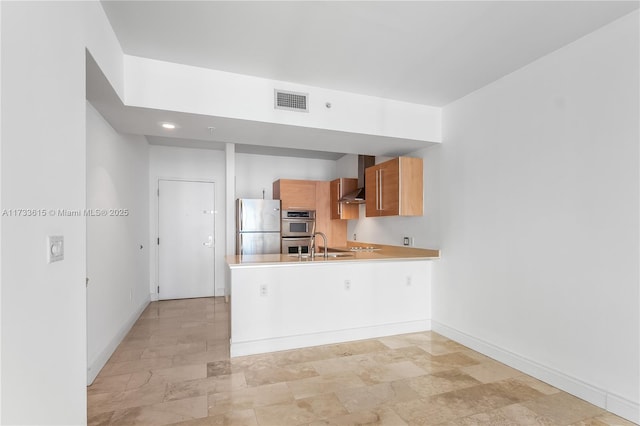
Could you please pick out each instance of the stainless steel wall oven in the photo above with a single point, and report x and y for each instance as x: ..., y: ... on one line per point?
x: 297, y: 228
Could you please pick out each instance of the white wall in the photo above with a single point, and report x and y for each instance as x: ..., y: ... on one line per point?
x: 187, y: 164
x: 43, y: 167
x: 117, y: 246
x: 533, y: 200
x: 255, y: 173
x: 540, y: 218
x: 165, y: 85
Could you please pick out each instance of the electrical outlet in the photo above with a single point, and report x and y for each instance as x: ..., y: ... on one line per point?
x: 406, y: 241
x: 408, y: 280
x: 347, y: 284
x: 264, y: 290
x: 55, y: 248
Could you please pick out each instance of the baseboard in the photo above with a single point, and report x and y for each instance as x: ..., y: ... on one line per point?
x: 100, y: 361
x: 326, y: 338
x: 623, y: 407
x: 615, y: 404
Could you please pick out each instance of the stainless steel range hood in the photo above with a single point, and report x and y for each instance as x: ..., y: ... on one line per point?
x: 358, y: 196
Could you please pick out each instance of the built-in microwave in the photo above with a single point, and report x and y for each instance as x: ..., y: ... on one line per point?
x: 298, y: 223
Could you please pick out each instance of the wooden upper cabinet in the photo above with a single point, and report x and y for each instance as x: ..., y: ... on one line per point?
x: 394, y: 188
x: 312, y: 195
x: 338, y: 188
x: 295, y: 194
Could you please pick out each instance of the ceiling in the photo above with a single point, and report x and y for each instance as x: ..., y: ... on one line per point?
x: 427, y: 52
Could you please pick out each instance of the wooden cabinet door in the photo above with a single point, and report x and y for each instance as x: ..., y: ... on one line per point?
x: 295, y: 194
x: 382, y: 195
x: 372, y: 191
x: 394, y: 188
x: 335, y: 230
x: 411, y: 186
x: 389, y: 184
x: 338, y: 188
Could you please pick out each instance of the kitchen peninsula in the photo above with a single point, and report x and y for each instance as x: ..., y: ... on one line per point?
x: 282, y: 301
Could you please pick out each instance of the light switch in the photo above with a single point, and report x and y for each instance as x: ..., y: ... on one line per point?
x: 55, y: 248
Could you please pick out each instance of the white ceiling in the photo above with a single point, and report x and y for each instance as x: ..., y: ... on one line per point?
x: 428, y: 52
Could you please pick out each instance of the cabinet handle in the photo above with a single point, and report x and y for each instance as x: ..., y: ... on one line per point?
x: 377, y: 189
x: 339, y: 203
x: 380, y: 189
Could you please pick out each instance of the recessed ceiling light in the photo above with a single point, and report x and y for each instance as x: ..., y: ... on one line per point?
x: 168, y: 125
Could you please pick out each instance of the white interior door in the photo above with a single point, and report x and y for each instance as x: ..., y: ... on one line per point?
x: 186, y: 239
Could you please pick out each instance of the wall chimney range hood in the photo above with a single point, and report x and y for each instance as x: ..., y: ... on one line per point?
x: 358, y: 196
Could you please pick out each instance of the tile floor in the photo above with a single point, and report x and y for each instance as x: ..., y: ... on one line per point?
x: 174, y: 368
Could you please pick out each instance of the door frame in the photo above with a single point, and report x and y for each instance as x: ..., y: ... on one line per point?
x: 156, y: 231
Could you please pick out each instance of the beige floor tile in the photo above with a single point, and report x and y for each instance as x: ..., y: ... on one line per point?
x: 491, y: 371
x: 325, y: 383
x: 407, y: 353
x: 112, y: 401
x: 415, y: 339
x: 344, y: 363
x: 441, y: 382
x: 438, y: 363
x: 246, y: 398
x: 594, y: 421
x: 357, y: 348
x: 235, y: 418
x: 127, y: 355
x: 613, y: 420
x: 381, y: 416
x: 442, y: 347
x: 563, y: 408
x: 301, y: 411
x: 394, y: 342
x: 477, y: 356
x: 230, y: 383
x: 302, y: 355
x: 367, y: 398
x: 512, y: 415
x: 536, y: 384
x: 390, y: 372
x: 254, y: 362
x: 118, y: 368
x: 201, y: 357
x: 178, y: 374
x: 163, y: 413
x: 488, y: 396
x: 109, y: 384
x: 173, y: 367
x: 204, y: 386
x: 429, y: 411
x: 172, y: 350
x: 287, y: 373
x: 100, y: 419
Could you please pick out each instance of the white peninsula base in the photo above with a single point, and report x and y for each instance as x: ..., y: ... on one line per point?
x: 285, y: 306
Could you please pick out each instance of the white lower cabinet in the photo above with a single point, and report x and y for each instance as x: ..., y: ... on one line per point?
x: 277, y: 307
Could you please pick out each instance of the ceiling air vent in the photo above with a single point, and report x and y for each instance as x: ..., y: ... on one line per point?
x: 291, y: 101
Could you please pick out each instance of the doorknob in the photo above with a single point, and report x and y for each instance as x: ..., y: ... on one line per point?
x: 209, y: 243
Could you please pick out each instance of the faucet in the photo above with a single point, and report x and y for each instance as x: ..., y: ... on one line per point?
x: 313, y: 244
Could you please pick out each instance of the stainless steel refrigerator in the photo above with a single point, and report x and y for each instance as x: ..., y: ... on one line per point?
x: 257, y: 226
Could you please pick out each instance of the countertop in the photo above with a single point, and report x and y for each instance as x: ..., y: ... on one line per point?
x: 382, y: 253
